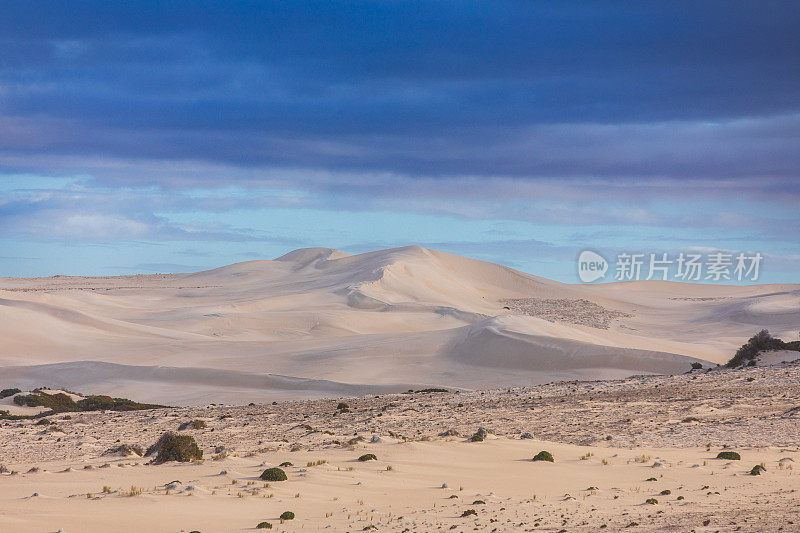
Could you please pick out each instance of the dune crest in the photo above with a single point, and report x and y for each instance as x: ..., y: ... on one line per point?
x: 380, y: 320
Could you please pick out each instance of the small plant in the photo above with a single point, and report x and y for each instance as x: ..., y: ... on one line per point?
x: 479, y: 502
x: 342, y: 405
x: 452, y: 496
x: 680, y: 498
x: 264, y: 525
x: 469, y: 512
x: 368, y: 457
x: 273, y: 474
x: 476, y: 438
x: 287, y: 515
x: 285, y: 464
x: 544, y: 456
x: 172, y: 447
x: 193, y: 424
x: 651, y: 501
x: 756, y: 471
x: 43, y: 422
x: 666, y: 492
x: 106, y: 489
x: 729, y: 456
x: 651, y: 479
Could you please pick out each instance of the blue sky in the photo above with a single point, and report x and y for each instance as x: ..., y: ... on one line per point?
x: 144, y: 137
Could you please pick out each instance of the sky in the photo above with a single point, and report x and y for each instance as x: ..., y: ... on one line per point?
x: 171, y: 137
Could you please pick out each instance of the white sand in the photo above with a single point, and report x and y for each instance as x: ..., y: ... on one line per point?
x: 318, y: 322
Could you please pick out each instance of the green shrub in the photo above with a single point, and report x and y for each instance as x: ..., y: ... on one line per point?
x: 651, y: 501
x: 285, y: 464
x: 756, y: 471
x: 5, y: 393
x: 453, y: 496
x: 469, y: 512
x: 57, y: 402
x: 651, y: 479
x: 172, y: 447
x: 666, y: 492
x: 476, y: 438
x: 43, y: 422
x: 479, y: 502
x: 729, y: 456
x: 368, y: 457
x: 544, y: 456
x: 264, y: 525
x: 273, y: 474
x: 107, y: 403
x: 287, y: 515
x: 680, y: 498
x: 760, y: 342
x: 193, y: 424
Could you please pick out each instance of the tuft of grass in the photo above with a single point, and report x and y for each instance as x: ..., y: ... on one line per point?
x: 368, y: 457
x: 544, y: 456
x: 729, y: 456
x: 273, y: 474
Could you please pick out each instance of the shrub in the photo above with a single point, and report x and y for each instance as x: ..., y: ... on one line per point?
x: 729, y: 456
x: 476, y: 438
x: 651, y: 479
x: 264, y: 525
x: 287, y: 515
x: 273, y: 474
x: 107, y: 403
x: 172, y: 447
x: 43, y: 422
x: 56, y: 402
x: 760, y: 342
x: 651, y: 501
x: 544, y: 456
x: 285, y: 464
x: 469, y: 512
x: 368, y: 457
x: 479, y: 502
x: 342, y: 405
x: 5, y: 393
x: 756, y: 471
x: 666, y: 492
x: 697, y: 366
x: 193, y: 424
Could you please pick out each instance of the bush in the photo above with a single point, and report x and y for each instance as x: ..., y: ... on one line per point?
x: 544, y: 456
x: 666, y: 492
x: 469, y: 512
x: 287, y: 515
x: 756, y: 471
x: 760, y: 342
x: 107, y: 403
x: 342, y: 405
x: 172, y: 447
x: 697, y: 366
x: 368, y: 457
x: 43, y: 422
x: 56, y: 402
x: 476, y: 438
x: 264, y: 525
x: 5, y: 393
x: 651, y: 501
x: 286, y: 463
x: 729, y: 456
x: 273, y: 474
x: 193, y: 424
x: 479, y: 502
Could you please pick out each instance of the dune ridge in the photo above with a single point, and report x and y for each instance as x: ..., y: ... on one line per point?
x: 355, y: 324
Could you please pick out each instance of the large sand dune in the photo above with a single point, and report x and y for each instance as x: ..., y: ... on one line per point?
x: 320, y: 322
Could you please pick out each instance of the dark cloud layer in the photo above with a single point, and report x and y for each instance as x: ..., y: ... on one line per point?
x: 532, y: 91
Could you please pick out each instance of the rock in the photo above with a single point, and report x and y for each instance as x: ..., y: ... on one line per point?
x: 449, y: 433
x: 526, y: 435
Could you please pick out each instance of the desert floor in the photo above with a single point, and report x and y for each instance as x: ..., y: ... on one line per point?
x: 616, y: 444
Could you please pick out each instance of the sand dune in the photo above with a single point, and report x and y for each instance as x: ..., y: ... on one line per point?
x: 354, y: 324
